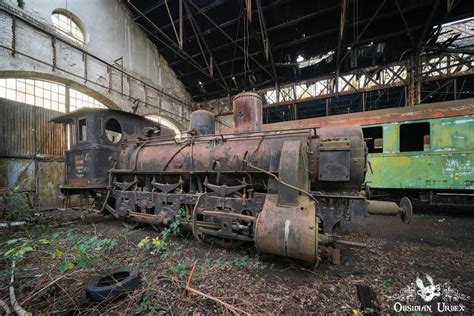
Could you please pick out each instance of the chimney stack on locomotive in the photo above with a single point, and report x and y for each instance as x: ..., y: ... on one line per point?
x: 283, y: 190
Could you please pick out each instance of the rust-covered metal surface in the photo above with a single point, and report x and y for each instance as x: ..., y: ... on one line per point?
x: 247, y: 185
x: 27, y: 130
x: 437, y: 173
x: 31, y: 152
x: 234, y: 152
x: 408, y: 113
x: 202, y: 122
x: 288, y: 231
x: 95, y: 146
x: 247, y: 112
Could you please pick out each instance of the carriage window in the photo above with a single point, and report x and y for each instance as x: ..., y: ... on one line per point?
x: 415, y: 137
x: 113, y: 131
x: 82, y: 130
x: 373, y: 137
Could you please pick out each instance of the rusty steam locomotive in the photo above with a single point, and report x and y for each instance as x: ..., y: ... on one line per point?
x: 283, y: 190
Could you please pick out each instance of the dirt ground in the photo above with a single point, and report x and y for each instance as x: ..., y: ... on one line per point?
x: 52, y: 276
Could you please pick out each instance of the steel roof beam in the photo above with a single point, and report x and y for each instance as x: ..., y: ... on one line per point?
x: 428, y: 23
x: 266, y: 42
x: 405, y: 23
x: 321, y: 34
x: 273, y: 28
x: 289, y: 23
x: 383, y: 37
x: 172, y: 45
x: 197, y: 30
x: 376, y: 13
x: 187, y: 17
x: 227, y: 36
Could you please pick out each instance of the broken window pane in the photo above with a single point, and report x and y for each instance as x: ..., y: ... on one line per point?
x: 414, y: 137
x: 373, y: 137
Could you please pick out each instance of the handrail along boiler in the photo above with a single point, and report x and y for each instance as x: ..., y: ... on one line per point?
x: 284, y: 190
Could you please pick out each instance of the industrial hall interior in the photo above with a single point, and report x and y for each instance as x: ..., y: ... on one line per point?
x: 236, y: 157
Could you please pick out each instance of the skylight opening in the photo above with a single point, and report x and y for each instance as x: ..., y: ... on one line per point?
x: 302, y: 63
x: 460, y: 32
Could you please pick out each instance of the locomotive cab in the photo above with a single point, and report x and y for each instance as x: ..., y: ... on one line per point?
x: 94, y: 139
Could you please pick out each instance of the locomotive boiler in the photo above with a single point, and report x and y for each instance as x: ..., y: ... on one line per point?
x: 286, y: 191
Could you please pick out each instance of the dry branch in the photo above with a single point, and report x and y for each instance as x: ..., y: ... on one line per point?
x: 16, y: 306
x: 5, y: 307
x: 233, y: 309
x: 48, y: 285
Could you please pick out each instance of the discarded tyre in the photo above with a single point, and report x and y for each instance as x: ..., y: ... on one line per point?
x: 116, y: 282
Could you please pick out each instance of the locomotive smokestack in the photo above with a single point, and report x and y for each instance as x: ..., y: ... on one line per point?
x: 247, y: 109
x: 202, y: 123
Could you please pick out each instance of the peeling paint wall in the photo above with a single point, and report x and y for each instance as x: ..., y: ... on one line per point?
x: 30, y: 47
x: 40, y: 179
x: 111, y: 34
x: 50, y: 175
x: 17, y: 173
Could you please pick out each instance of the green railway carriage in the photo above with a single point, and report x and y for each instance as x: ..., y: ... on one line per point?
x: 424, y: 152
x: 431, y: 161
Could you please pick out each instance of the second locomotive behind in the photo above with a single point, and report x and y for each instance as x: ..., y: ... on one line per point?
x: 284, y: 190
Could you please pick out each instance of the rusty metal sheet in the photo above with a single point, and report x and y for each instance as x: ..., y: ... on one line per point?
x: 288, y: 231
x: 334, y: 165
x: 291, y: 171
x: 247, y: 109
x: 335, y: 145
x: 26, y: 130
x: 202, y: 123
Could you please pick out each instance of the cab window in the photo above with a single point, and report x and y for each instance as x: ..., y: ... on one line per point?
x: 82, y: 128
x: 113, y: 131
x: 70, y: 135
